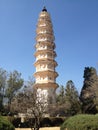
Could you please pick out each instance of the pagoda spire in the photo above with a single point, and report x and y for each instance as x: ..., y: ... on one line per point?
x: 44, y: 9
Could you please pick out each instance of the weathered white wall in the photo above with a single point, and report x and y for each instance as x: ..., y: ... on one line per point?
x: 44, y: 80
x: 44, y: 67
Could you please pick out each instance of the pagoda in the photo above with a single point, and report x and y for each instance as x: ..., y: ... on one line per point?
x: 45, y: 64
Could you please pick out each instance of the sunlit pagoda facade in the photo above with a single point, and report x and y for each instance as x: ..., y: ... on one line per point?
x: 45, y: 64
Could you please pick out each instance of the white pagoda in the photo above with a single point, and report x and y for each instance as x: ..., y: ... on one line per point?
x: 45, y: 64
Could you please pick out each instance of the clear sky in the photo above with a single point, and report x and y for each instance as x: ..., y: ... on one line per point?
x: 75, y: 24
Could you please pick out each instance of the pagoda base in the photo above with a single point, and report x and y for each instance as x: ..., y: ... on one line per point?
x: 47, y: 90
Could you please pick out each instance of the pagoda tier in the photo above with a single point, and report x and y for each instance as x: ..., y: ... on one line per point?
x: 45, y: 53
x: 45, y: 65
x: 45, y: 75
x: 49, y: 85
x: 45, y: 44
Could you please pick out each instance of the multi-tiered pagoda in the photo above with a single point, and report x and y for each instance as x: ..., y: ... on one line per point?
x: 45, y: 64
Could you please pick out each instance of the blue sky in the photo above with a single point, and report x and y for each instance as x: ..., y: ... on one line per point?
x: 75, y: 24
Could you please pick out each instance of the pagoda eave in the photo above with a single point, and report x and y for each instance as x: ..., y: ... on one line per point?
x: 48, y: 61
x: 45, y: 85
x: 45, y: 43
x: 45, y: 52
x: 47, y: 72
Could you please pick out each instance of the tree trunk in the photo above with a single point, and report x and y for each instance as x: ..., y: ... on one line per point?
x: 37, y: 124
x: 36, y: 128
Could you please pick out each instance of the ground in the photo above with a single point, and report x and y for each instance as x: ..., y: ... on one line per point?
x: 45, y: 128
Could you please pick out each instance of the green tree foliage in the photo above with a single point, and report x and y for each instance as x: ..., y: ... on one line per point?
x: 58, y: 109
x: 89, y: 92
x: 68, y: 102
x: 3, y: 77
x: 14, y: 82
x: 72, y: 99
x: 81, y: 122
x: 60, y: 98
x: 5, y: 124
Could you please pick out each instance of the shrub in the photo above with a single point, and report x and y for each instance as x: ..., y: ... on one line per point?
x: 16, y: 122
x: 52, y: 121
x: 45, y: 122
x: 28, y: 122
x: 56, y: 121
x: 5, y: 124
x: 81, y: 122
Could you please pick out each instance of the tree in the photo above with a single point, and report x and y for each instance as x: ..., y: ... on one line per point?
x: 89, y: 92
x: 33, y: 105
x: 5, y: 124
x: 72, y: 99
x: 3, y: 77
x: 28, y: 85
x: 60, y: 98
x: 14, y: 83
x: 58, y: 109
x: 68, y: 102
x: 17, y: 105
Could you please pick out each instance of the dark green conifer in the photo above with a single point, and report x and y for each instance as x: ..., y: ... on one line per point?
x: 89, y: 92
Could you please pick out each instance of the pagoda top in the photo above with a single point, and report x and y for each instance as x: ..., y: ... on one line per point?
x: 44, y: 9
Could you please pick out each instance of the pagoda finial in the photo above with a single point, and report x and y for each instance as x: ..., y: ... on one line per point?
x: 44, y: 9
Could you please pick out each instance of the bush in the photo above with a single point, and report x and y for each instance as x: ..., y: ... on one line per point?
x: 45, y: 122
x: 28, y: 122
x: 56, y: 121
x: 16, y: 122
x: 52, y: 121
x: 81, y: 122
x: 5, y: 124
